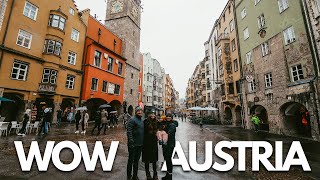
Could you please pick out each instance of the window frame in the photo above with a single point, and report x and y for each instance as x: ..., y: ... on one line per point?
x: 281, y: 5
x: 74, y: 57
x: 28, y: 15
x: 243, y: 13
x: 60, y: 18
x: 96, y: 52
x: 72, y: 35
x: 92, y: 83
x: 287, y: 33
x: 104, y: 86
x: 252, y: 87
x: 298, y: 76
x: 110, y: 64
x: 246, y: 32
x: 247, y: 55
x: 268, y: 80
x: 24, y: 35
x: 265, y: 50
x: 54, y: 46
x: 120, y: 66
x: 19, y: 69
x: 70, y: 82
x: 51, y: 76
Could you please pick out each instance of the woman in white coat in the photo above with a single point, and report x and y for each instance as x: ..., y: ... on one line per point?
x: 84, y: 121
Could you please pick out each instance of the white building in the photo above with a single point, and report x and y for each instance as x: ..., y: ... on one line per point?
x: 147, y: 79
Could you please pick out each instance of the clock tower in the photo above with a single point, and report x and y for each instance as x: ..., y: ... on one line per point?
x: 123, y: 19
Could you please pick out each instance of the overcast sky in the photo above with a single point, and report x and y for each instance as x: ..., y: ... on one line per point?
x: 173, y: 31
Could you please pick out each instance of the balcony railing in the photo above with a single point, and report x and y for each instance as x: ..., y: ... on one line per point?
x: 222, y: 36
x: 46, y: 88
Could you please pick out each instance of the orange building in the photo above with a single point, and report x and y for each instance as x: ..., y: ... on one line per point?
x: 104, y: 67
x: 140, y: 78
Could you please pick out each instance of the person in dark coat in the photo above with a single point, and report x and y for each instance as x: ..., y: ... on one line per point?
x: 170, y: 128
x: 77, y: 118
x: 97, y: 122
x: 26, y: 119
x: 150, y: 145
x: 135, y: 134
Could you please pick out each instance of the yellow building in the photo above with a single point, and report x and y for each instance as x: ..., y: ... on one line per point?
x: 41, y: 55
x: 228, y: 62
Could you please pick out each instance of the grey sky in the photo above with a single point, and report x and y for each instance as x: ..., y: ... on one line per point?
x: 173, y: 31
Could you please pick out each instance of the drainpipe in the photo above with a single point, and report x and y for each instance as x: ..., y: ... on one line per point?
x: 242, y: 95
x: 6, y: 31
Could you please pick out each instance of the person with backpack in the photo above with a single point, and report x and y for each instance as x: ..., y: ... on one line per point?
x: 256, y: 122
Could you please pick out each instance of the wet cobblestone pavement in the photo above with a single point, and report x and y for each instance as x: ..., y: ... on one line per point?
x: 10, y: 167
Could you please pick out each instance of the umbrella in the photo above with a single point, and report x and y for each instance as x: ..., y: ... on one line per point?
x: 104, y: 106
x: 84, y: 108
x: 112, y: 112
x: 196, y: 109
x: 211, y: 109
x: 6, y: 100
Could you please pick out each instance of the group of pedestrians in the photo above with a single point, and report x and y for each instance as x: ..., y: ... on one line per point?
x: 144, y: 137
x: 81, y: 117
x: 104, y: 120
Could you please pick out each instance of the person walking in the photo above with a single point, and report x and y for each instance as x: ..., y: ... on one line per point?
x: 135, y: 135
x: 47, y: 119
x: 168, y: 148
x: 104, y: 121
x: 97, y: 121
x: 26, y: 119
x: 59, y: 117
x: 150, y: 145
x: 84, y: 122
x: 256, y: 122
x: 77, y: 118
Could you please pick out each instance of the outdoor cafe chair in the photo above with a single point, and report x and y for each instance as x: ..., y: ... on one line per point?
x: 2, y: 119
x: 14, y: 125
x: 4, y: 128
x: 35, y: 126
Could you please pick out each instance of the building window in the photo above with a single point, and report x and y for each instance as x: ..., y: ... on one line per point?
x: 111, y: 88
x: 297, y: 73
x: 94, y: 84
x: 52, y: 47
x: 57, y: 21
x: 71, y: 11
x: 265, y: 49
x: 30, y: 10
x: 231, y: 25
x: 236, y: 65
x: 256, y: 2
x: 72, y: 58
x: 24, y: 39
x: 225, y: 31
x: 104, y: 86
x: 238, y: 87
x: 231, y: 88
x: 221, y: 70
x: 233, y: 45
x: 289, y: 36
x: 283, y: 5
x: 246, y: 34
x: 97, y: 58
x: 49, y: 76
x: 19, y: 70
x: 252, y: 86
x: 70, y: 81
x: 110, y: 64
x: 316, y: 8
x: 131, y: 75
x: 268, y: 80
x: 117, y: 90
x: 223, y: 92
x: 75, y: 35
x: 120, y: 67
x: 131, y: 91
x: 249, y: 57
x: 261, y: 21
x: 243, y: 13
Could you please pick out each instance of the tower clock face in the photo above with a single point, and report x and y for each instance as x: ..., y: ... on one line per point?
x: 116, y: 6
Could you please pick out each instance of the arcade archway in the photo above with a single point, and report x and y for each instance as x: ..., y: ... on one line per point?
x: 228, y: 115
x: 13, y: 111
x: 238, y: 116
x: 296, y: 119
x: 262, y: 113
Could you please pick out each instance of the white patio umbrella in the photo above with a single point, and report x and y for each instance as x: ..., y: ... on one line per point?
x: 210, y: 109
x: 196, y: 109
x: 84, y: 108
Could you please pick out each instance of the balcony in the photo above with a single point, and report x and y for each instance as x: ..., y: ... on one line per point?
x: 221, y: 37
x: 47, y: 89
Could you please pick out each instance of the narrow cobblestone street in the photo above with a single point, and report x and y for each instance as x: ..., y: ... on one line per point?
x: 186, y: 132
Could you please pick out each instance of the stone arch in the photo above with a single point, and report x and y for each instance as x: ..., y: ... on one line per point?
x: 295, y: 119
x: 13, y: 111
x: 93, y: 105
x: 238, y: 116
x: 115, y: 105
x: 228, y: 115
x: 262, y: 113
